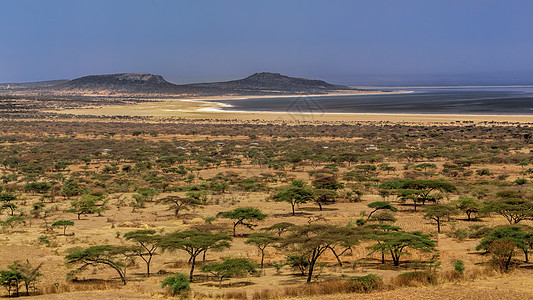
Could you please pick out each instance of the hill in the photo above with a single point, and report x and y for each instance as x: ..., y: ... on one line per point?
x: 256, y: 84
x: 124, y: 82
x: 30, y: 85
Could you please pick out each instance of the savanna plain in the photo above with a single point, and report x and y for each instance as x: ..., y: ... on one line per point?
x: 108, y: 207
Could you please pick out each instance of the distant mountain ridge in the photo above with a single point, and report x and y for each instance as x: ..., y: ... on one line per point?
x: 30, y: 85
x: 257, y: 84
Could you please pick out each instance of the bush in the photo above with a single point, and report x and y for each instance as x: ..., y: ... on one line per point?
x: 460, y: 234
x: 484, y: 172
x: 458, y: 265
x: 416, y: 278
x: 298, y: 262
x: 178, y: 283
x: 366, y: 284
x: 520, y: 181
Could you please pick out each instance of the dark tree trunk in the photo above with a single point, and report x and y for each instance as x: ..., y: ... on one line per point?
x: 310, y: 273
x: 193, y: 260
x: 292, y: 204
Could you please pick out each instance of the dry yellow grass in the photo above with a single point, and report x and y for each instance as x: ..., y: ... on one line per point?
x: 23, y: 244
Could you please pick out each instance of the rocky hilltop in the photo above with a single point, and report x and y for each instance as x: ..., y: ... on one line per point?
x: 125, y: 82
x: 256, y: 84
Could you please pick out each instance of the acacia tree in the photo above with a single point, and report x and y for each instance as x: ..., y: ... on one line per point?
x: 326, y: 186
x: 194, y: 242
x: 513, y: 209
x: 398, y: 242
x: 296, y: 193
x: 11, y: 281
x: 230, y: 267
x: 311, y: 241
x: 468, y: 205
x: 520, y: 238
x: 439, y: 212
x: 5, y: 202
x: 115, y: 257
x: 178, y: 203
x: 419, y: 191
x: 64, y: 224
x: 87, y: 204
x: 380, y: 205
x: 148, y: 242
x: 243, y: 216
x: 261, y: 241
x: 280, y: 228
x: 19, y: 274
x: 377, y: 232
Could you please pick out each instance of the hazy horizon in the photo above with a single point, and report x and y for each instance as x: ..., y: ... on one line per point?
x: 361, y: 43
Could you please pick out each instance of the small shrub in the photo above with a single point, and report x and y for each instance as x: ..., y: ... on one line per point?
x: 298, y: 262
x: 178, y: 283
x: 458, y: 265
x: 520, y: 181
x: 459, y: 234
x: 502, y: 177
x: 484, y: 172
x: 502, y: 252
x: 367, y: 283
x: 44, y: 240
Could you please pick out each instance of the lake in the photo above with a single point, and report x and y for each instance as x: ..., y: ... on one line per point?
x: 440, y: 100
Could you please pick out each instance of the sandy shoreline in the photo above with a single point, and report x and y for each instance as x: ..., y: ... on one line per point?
x: 208, y: 108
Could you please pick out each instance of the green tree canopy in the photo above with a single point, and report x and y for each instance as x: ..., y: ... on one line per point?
x: 148, y: 243
x: 398, y: 243
x: 177, y: 203
x: 230, y: 267
x: 261, y: 241
x: 114, y: 257
x: 513, y: 209
x: 311, y: 241
x: 296, y: 193
x: 468, y: 205
x: 177, y: 283
x: 87, y: 204
x: 520, y: 237
x: 194, y: 242
x: 64, y: 224
x: 439, y: 213
x: 18, y: 274
x: 381, y: 205
x: 418, y: 190
x: 243, y: 216
x: 280, y: 228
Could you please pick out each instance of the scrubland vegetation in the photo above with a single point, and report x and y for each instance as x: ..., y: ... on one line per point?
x: 256, y: 211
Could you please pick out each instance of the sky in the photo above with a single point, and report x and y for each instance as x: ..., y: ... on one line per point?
x: 378, y: 42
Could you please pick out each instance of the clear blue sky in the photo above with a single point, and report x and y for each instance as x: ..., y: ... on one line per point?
x: 353, y: 42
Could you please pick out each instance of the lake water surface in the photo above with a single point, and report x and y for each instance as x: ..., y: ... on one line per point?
x: 448, y: 100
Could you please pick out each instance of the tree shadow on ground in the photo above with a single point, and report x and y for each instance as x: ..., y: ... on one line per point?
x: 297, y: 214
x: 318, y: 209
x: 214, y: 283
